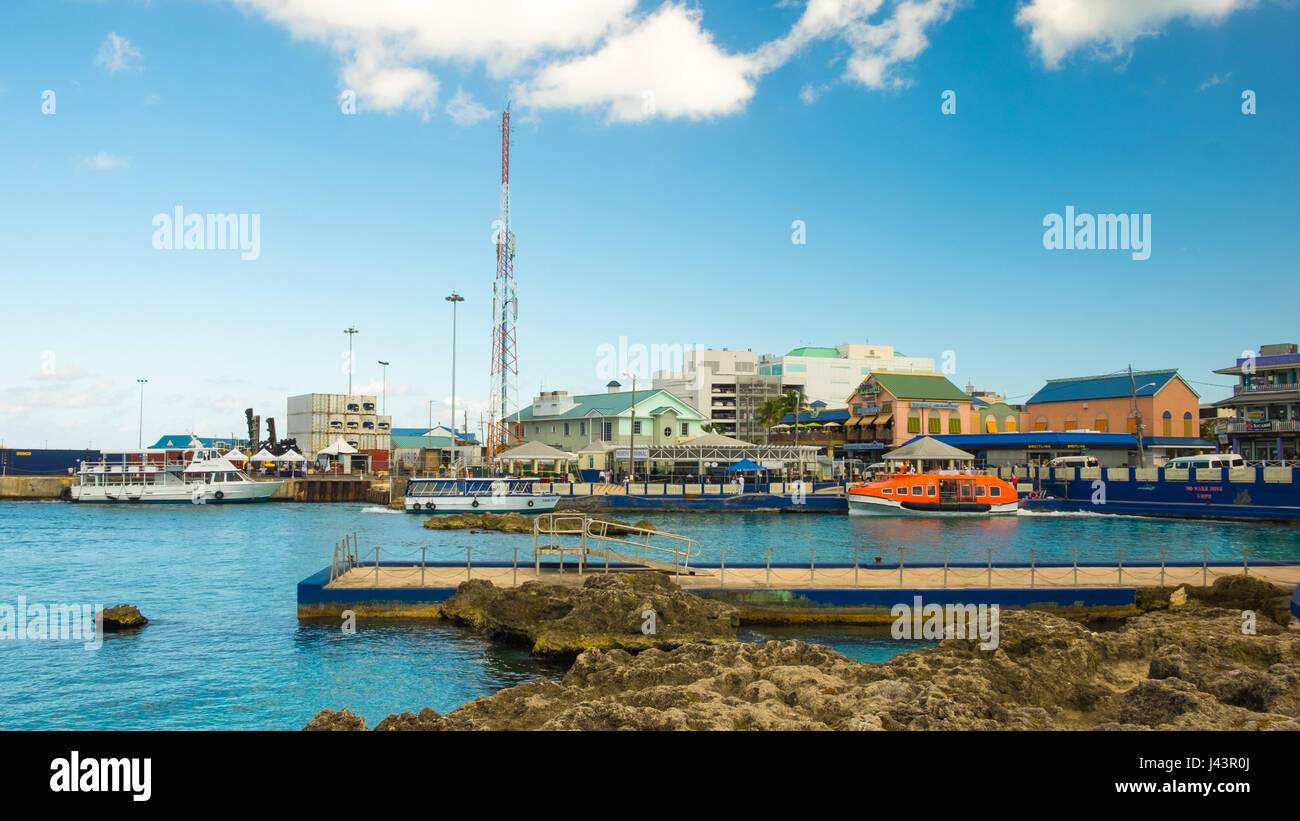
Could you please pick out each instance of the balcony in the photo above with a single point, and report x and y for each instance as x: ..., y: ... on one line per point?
x: 1238, y: 390
x: 1264, y: 426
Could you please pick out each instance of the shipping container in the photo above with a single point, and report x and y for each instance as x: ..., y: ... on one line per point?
x: 42, y: 462
x: 378, y: 460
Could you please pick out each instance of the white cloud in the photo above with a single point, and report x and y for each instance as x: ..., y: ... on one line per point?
x: 1058, y: 28
x: 388, y: 87
x: 464, y: 110
x: 117, y: 54
x: 68, y: 373
x: 664, y: 65
x: 103, y: 161
x: 1216, y: 80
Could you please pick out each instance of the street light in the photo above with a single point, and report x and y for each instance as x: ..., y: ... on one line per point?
x: 631, y: 450
x: 350, y: 331
x: 140, y: 440
x: 453, y: 299
x: 384, y: 407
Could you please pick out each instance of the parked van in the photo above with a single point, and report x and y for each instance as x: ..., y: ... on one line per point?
x: 1074, y: 462
x: 1207, y: 460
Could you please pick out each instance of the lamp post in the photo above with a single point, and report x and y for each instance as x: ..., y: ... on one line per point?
x: 350, y: 332
x: 384, y: 407
x: 1137, y: 415
x: 140, y: 440
x: 631, y: 432
x: 453, y: 299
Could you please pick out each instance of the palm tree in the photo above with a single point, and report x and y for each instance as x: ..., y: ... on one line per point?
x: 771, y: 412
x: 795, y: 402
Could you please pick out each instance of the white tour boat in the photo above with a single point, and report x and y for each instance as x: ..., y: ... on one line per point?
x: 194, y: 474
x: 478, y: 495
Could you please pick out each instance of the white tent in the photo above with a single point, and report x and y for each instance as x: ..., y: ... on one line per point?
x: 337, y: 448
x: 291, y: 456
x: 236, y: 455
x: 264, y: 455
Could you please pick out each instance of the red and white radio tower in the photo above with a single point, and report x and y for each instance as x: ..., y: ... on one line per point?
x: 505, y: 311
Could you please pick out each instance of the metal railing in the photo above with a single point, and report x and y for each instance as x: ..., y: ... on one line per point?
x: 610, y: 540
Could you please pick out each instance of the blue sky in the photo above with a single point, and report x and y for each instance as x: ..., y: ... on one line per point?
x: 663, y: 218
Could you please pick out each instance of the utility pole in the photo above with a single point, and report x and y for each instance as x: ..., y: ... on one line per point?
x: 140, y: 441
x: 350, y: 332
x: 1137, y: 416
x: 453, y: 299
x: 384, y: 407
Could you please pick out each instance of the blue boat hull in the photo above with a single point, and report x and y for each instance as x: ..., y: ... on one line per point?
x: 1185, y: 499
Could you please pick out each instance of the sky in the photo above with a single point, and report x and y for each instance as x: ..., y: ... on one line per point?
x: 715, y: 173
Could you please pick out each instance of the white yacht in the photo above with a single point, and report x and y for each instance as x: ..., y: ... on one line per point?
x: 477, y: 495
x: 194, y: 474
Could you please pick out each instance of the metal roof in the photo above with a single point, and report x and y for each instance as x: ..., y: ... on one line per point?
x: 919, y: 386
x: 1020, y: 440
x: 825, y: 353
x: 1108, y: 386
x: 607, y: 404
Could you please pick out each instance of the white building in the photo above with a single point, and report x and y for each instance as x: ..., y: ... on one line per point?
x: 723, y: 385
x: 833, y: 374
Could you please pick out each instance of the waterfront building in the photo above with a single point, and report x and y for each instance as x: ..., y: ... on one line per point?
x: 567, y: 422
x: 830, y: 374
x: 995, y: 416
x: 888, y: 408
x: 317, y: 419
x: 723, y: 385
x: 1266, y: 404
x: 1040, y: 447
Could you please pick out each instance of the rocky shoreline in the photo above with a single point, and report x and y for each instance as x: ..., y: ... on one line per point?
x: 1184, y: 664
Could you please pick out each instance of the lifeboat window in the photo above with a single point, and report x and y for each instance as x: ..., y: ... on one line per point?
x: 931, y: 490
x: 995, y: 491
x: 979, y: 491
x: 888, y: 490
x: 902, y: 491
x: 916, y: 490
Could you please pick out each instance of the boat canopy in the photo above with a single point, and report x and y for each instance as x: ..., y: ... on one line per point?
x: 211, y: 465
x: 928, y: 449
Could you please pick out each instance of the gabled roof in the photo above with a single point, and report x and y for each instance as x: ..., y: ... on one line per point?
x: 1108, y: 386
x: 606, y: 404
x: 180, y: 441
x: 535, y: 450
x: 927, y: 447
x: 401, y: 440
x: 919, y: 386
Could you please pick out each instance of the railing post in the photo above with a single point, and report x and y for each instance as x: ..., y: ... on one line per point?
x: 1205, y: 566
x: 1076, y: 566
x: 768, y: 581
x: 723, y: 580
x: 945, y: 566
x: 1033, y: 568
x: 1162, y: 568
x: 423, y: 550
x: 855, y: 566
x: 1121, y: 565
x: 900, y: 567
x: 1245, y: 561
x: 514, y: 574
x: 334, y: 563
x: 376, y: 567
x: 469, y: 568
x: 812, y: 568
x: 676, y: 563
x: 990, y: 566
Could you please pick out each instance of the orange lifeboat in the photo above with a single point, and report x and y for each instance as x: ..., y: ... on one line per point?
x: 930, y: 494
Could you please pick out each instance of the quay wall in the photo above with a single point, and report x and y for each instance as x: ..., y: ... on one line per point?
x: 33, y: 487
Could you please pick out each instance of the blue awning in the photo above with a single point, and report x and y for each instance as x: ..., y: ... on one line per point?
x: 745, y: 464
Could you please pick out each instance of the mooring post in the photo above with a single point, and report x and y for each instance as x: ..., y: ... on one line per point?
x: 990, y: 566
x: 768, y: 582
x: 1076, y: 566
x: 376, y: 567
x: 1033, y: 568
x: 1245, y: 561
x: 469, y: 569
x: 1121, y: 565
x: 812, y: 567
x: 1205, y: 566
x: 723, y: 580
x: 422, y: 552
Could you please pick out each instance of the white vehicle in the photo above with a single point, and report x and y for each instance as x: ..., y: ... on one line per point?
x: 194, y: 474
x: 479, y: 495
x: 1207, y: 460
x: 1074, y: 462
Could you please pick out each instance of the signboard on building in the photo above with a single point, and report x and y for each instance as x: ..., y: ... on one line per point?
x: 641, y: 453
x: 936, y: 405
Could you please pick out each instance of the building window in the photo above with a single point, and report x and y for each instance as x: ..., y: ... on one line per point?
x: 636, y: 427
x: 608, y: 431
x: 685, y: 428
x: 566, y: 428
x: 914, y: 422
x: 582, y: 428
x: 1101, y: 423
x: 1189, y: 428
x: 1132, y: 422
x: 1009, y: 424
x: 668, y: 433
x: 1071, y: 422
x: 935, y: 423
x: 954, y: 424
x: 1040, y: 423
x: 1167, y: 424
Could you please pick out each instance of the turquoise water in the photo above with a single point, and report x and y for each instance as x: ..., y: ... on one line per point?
x: 225, y: 650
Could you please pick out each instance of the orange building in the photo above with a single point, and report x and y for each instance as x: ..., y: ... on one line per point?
x: 891, y: 407
x: 1168, y: 407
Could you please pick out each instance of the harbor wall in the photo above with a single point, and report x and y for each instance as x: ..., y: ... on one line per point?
x: 33, y: 487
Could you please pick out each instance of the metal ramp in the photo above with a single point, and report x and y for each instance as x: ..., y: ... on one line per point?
x: 588, y: 536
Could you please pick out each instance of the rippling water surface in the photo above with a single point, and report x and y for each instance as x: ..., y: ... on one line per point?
x: 224, y: 649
